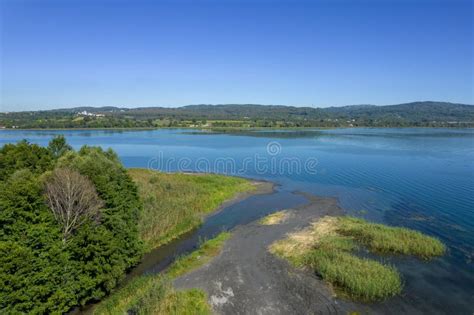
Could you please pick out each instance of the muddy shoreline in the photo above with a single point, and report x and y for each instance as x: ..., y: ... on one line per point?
x: 247, y: 279
x: 159, y: 258
x: 262, y: 187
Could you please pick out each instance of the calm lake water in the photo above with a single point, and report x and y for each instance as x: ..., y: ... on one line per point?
x: 418, y: 178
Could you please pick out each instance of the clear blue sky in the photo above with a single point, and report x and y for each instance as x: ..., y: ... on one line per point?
x: 171, y: 53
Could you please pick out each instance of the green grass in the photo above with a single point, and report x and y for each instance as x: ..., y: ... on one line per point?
x: 357, y: 278
x: 199, y: 257
x: 161, y: 298
x: 155, y: 294
x: 176, y: 203
x: 328, y: 247
x: 384, y: 239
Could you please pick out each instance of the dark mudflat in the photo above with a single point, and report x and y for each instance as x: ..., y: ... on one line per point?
x: 246, y: 279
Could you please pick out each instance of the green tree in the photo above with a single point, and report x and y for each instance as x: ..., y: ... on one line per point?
x: 38, y: 272
x: 58, y: 146
x: 24, y: 155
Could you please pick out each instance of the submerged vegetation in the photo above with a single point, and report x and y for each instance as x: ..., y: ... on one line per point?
x: 329, y: 248
x: 174, y: 204
x: 155, y: 295
x: 383, y: 239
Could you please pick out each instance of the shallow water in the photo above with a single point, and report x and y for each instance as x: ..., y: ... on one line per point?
x: 418, y: 178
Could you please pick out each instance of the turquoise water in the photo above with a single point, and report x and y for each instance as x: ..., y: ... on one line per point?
x: 418, y: 178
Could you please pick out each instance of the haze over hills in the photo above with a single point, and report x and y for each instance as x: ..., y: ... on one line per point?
x: 435, y: 114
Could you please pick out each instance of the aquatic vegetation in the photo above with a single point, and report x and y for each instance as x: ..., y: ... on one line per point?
x: 174, y: 204
x: 391, y: 240
x: 155, y: 295
x: 359, y: 278
x: 329, y: 247
x: 275, y: 218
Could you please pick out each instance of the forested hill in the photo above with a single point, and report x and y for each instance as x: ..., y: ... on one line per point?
x: 416, y: 114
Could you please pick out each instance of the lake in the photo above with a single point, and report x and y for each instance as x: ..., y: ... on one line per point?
x: 417, y: 178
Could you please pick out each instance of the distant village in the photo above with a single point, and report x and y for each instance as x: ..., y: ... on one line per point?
x: 86, y: 113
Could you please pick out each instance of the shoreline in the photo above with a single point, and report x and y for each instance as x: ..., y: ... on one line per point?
x: 152, y: 258
x: 246, y: 266
x: 266, y: 188
x: 149, y: 257
x: 261, y: 187
x: 217, y: 129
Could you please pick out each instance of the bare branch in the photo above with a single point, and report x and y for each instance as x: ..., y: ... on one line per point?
x: 72, y: 198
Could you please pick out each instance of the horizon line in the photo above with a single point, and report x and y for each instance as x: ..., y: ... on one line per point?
x: 227, y: 104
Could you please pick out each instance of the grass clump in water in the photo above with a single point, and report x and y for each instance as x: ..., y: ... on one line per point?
x: 275, y: 218
x: 328, y: 246
x: 155, y: 295
x: 174, y: 204
x: 392, y: 240
x: 358, y: 278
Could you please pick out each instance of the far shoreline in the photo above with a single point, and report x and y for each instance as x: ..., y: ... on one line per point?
x: 231, y: 128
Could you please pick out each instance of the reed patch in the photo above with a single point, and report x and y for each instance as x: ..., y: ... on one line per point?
x: 329, y: 248
x: 174, y: 204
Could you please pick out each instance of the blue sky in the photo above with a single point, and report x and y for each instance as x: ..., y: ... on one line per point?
x: 171, y: 53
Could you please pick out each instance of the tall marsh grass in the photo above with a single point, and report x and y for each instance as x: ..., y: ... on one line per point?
x: 384, y: 239
x: 328, y: 247
x: 175, y: 203
x: 358, y: 278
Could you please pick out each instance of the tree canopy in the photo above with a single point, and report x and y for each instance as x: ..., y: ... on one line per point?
x: 39, y: 273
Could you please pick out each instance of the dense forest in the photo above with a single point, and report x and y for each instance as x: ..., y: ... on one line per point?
x: 68, y: 226
x: 417, y: 114
x: 72, y: 223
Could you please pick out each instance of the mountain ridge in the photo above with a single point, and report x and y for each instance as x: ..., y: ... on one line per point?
x: 117, y: 108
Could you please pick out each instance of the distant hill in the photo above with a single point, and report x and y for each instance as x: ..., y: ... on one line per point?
x: 413, y: 112
x: 426, y: 114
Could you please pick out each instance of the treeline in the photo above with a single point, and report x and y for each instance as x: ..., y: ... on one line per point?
x: 417, y: 114
x: 68, y: 226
